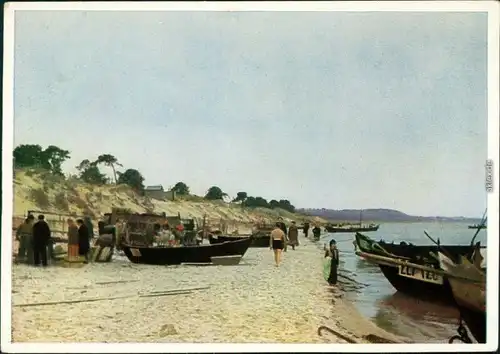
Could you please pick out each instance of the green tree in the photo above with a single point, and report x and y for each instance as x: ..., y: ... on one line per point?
x: 286, y: 205
x: 274, y: 203
x: 181, y: 188
x: 110, y: 161
x: 90, y: 173
x: 133, y: 178
x: 249, y: 201
x: 215, y: 193
x: 240, y: 197
x: 28, y: 155
x: 55, y: 157
x: 32, y: 155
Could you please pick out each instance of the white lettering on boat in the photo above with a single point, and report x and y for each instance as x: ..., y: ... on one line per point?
x: 135, y: 252
x: 420, y: 274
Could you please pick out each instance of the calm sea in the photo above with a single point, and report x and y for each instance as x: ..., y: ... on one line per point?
x: 419, y: 320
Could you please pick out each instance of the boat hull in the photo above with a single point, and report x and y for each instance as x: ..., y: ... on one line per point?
x: 416, y: 288
x: 471, y: 302
x: 185, y: 254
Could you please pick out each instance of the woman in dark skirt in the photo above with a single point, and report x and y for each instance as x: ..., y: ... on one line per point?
x: 333, y: 252
x: 277, y: 243
x: 83, y: 240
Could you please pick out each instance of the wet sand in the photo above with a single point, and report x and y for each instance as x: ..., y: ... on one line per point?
x: 254, y: 302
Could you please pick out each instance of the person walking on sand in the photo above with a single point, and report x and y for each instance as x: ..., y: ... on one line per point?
x: 83, y: 240
x: 24, y: 235
x: 293, y: 235
x: 41, y: 239
x: 277, y: 243
x: 333, y: 252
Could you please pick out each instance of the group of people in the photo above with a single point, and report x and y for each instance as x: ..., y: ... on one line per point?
x: 36, y: 244
x: 281, y: 237
x: 34, y: 238
x: 80, y: 235
x: 168, y: 236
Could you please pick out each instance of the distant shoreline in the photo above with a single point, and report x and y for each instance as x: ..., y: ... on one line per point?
x: 381, y: 216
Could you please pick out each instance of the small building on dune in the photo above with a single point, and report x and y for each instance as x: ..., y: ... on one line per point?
x: 158, y: 192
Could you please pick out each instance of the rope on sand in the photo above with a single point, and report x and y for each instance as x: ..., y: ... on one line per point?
x: 76, y: 301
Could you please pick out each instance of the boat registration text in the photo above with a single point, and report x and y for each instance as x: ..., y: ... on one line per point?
x: 420, y: 274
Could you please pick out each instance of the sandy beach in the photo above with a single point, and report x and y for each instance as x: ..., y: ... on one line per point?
x: 254, y: 302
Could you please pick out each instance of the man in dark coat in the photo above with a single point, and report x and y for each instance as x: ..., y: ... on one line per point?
x: 88, y: 222
x: 282, y: 225
x: 306, y: 229
x: 316, y: 232
x: 41, y: 239
x: 83, y: 240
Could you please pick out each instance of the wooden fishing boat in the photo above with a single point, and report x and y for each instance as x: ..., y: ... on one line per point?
x: 420, y: 254
x: 351, y: 228
x: 258, y: 241
x: 185, y: 254
x: 477, y: 227
x: 469, y: 292
x: 215, y: 239
x: 413, y: 270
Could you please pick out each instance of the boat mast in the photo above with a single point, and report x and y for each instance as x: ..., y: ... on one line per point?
x: 361, y: 217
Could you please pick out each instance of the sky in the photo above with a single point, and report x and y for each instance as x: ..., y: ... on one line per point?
x: 327, y: 109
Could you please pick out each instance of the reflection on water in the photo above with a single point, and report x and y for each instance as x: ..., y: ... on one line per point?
x: 419, y: 320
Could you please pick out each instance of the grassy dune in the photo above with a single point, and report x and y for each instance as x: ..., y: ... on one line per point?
x: 38, y: 190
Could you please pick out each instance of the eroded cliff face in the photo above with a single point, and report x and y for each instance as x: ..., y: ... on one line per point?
x: 44, y: 192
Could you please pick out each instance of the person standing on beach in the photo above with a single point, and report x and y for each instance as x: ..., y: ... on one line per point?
x: 316, y: 232
x: 83, y: 240
x: 293, y: 235
x: 333, y: 252
x: 72, y: 240
x: 90, y: 227
x: 24, y: 235
x: 41, y: 239
x: 306, y: 229
x: 277, y: 242
x: 281, y: 225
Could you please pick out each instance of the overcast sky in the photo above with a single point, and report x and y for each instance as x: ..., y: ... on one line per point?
x: 326, y: 109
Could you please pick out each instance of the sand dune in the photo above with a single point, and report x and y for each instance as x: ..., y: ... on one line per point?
x: 45, y: 192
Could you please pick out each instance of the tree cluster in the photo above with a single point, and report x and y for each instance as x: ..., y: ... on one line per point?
x: 51, y: 159
x: 259, y: 202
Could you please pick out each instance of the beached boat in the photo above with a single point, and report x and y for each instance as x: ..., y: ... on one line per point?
x: 419, y: 254
x: 469, y: 292
x: 413, y: 270
x: 257, y: 241
x: 477, y: 227
x: 185, y: 254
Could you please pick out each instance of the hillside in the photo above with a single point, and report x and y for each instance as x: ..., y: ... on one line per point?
x: 378, y: 215
x: 49, y: 193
